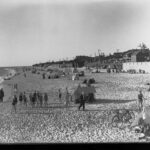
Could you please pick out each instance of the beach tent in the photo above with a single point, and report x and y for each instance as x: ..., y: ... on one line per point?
x: 86, y: 89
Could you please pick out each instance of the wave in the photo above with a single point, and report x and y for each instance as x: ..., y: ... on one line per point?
x: 9, y: 75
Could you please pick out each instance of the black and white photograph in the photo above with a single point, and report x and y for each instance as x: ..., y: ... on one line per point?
x: 74, y: 71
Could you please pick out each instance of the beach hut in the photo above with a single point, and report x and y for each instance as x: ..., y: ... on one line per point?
x: 89, y: 92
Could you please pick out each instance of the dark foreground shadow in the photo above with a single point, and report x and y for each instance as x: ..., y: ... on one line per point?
x: 103, y: 101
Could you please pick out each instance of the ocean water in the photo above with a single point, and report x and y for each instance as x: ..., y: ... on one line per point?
x: 3, y: 72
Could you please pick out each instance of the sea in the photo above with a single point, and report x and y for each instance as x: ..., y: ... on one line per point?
x: 3, y: 72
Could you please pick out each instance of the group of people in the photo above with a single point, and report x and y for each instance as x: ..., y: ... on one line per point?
x: 1, y: 94
x: 33, y: 99
x: 68, y: 97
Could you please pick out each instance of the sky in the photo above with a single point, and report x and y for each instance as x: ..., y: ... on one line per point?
x: 33, y: 31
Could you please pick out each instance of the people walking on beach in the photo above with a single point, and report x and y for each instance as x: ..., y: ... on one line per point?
x: 1, y: 95
x: 45, y: 99
x: 25, y: 99
x: 38, y: 98
x: 140, y: 100
x: 14, y: 102
x: 41, y: 99
x: 82, y: 101
x: 30, y: 97
x: 21, y: 98
x: 67, y: 97
x: 34, y: 99
x: 59, y: 94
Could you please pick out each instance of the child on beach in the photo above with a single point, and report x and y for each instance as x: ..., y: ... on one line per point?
x: 34, y: 99
x: 14, y: 103
x: 1, y: 95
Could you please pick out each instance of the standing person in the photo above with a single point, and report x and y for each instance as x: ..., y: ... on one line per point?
x: 1, y: 94
x: 14, y: 103
x: 25, y: 99
x: 35, y: 98
x: 38, y: 98
x: 46, y: 99
x: 140, y: 100
x: 20, y: 98
x: 59, y: 94
x: 82, y: 101
x: 43, y: 75
x: 41, y: 99
x: 67, y: 97
x: 30, y: 97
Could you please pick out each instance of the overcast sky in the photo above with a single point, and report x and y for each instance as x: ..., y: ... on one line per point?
x: 33, y: 31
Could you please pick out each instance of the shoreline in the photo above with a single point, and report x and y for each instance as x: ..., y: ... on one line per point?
x: 7, y: 89
x: 11, y: 73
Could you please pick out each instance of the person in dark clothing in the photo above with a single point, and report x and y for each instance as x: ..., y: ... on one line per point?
x: 33, y: 101
x: 1, y: 95
x: 14, y: 103
x: 35, y: 96
x: 59, y: 95
x: 82, y: 101
x: 20, y: 98
x: 30, y: 97
x: 25, y: 99
x: 45, y: 99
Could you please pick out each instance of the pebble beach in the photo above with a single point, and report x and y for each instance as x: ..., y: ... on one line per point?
x: 58, y: 124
